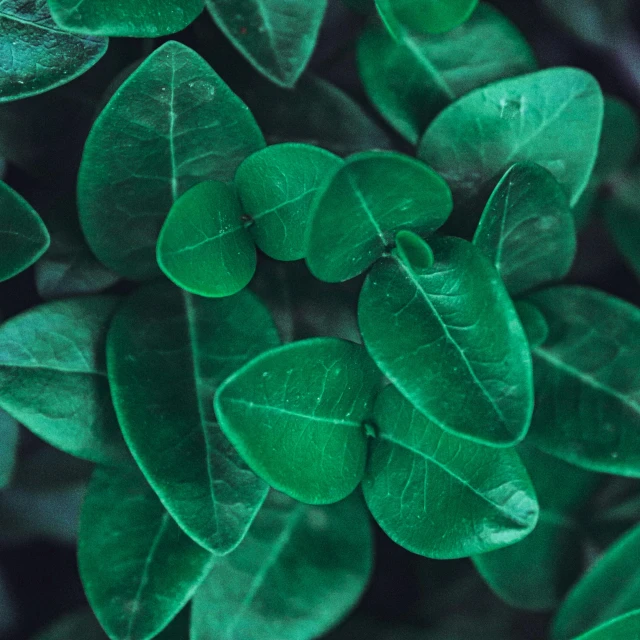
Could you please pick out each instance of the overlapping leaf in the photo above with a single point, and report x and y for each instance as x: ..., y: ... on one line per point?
x: 425, y: 16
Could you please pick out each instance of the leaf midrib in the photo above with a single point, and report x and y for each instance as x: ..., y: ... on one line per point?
x: 39, y: 25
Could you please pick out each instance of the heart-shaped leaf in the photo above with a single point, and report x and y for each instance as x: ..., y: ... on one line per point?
x: 374, y: 195
x: 167, y: 353
x: 527, y: 229
x: 37, y: 55
x: 425, y: 16
x: 172, y: 124
x: 277, y: 186
x: 626, y: 627
x: 8, y: 447
x: 296, y: 574
x: 296, y: 416
x: 448, y: 337
x: 137, y: 566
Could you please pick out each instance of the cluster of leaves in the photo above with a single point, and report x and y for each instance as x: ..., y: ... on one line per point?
x: 472, y: 411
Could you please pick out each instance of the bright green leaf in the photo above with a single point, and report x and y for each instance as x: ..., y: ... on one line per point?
x: 424, y: 16
x: 296, y: 416
x: 450, y: 340
x: 8, y: 447
x: 626, y: 627
x: 300, y: 569
x: 172, y: 124
x: 355, y: 217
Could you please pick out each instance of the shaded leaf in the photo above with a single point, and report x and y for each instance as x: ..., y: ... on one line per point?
x: 8, y: 447
x: 626, y: 627
x: 425, y: 16
x: 79, y: 624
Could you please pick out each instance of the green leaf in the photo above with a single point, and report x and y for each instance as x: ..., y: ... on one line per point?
x: 417, y: 473
x: 449, y: 339
x: 527, y: 229
x: 53, y: 377
x: 204, y: 246
x: 167, y: 353
x: 276, y: 36
x: 137, y: 566
x: 23, y: 236
x: 626, y: 627
x: 299, y: 571
x: 607, y: 590
x: 138, y: 161
x: 296, y: 416
x: 533, y: 322
x: 139, y: 19
x: 277, y: 186
x: 587, y: 409
x: 8, y: 447
x: 411, y: 77
x: 551, y: 117
x: 37, y: 55
x: 424, y: 16
x: 372, y: 196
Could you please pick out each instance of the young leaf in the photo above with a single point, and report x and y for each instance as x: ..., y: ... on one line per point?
x: 137, y: 566
x: 411, y: 77
x: 527, y: 229
x: 587, y: 382
x: 277, y: 186
x: 167, y: 352
x: 417, y: 473
x: 300, y: 569
x: 37, y: 55
x: 626, y: 627
x: 53, y: 377
x: 139, y: 19
x: 139, y: 160
x: 371, y: 197
x: 448, y: 337
x: 23, y: 236
x: 8, y: 447
x: 296, y: 416
x: 203, y: 246
x: 276, y: 36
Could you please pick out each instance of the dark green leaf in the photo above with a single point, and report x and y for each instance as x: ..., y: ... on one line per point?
x: 425, y: 16
x: 300, y: 569
x: 371, y: 197
x: 80, y: 624
x: 361, y: 6
x: 36, y: 54
x: 533, y: 322
x: 172, y: 124
x: 296, y: 416
x: 625, y: 627
x: 8, y: 447
x: 450, y: 340
x: 53, y: 377
x: 527, y: 229
x: 277, y: 186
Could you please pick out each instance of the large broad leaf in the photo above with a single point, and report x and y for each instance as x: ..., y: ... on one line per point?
x: 447, y: 336
x: 300, y: 569
x: 527, y: 229
x: 411, y: 77
x: 172, y: 124
x: 587, y: 382
x: 607, y: 590
x: 23, y: 236
x: 276, y: 36
x: 8, y: 447
x: 167, y: 353
x: 53, y: 377
x: 139, y: 19
x: 626, y: 627
x: 137, y: 566
x: 424, y: 16
x: 36, y: 54
x: 374, y: 195
x: 296, y: 415
x: 439, y: 495
x: 551, y: 117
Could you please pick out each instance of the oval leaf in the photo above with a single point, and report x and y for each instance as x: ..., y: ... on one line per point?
x: 625, y: 627
x: 425, y: 16
x: 450, y: 340
x: 296, y: 416
x: 139, y: 160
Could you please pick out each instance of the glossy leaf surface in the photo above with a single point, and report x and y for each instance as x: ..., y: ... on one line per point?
x: 276, y: 36
x: 277, y: 186
x: 425, y: 16
x: 417, y: 471
x: 625, y: 627
x: 203, y: 246
x: 374, y: 195
x: 37, y: 55
x: 8, y: 447
x: 172, y: 124
x: 296, y: 416
x: 300, y: 569
x: 448, y: 337
x: 23, y: 236
x: 167, y: 353
x: 527, y: 229
x: 137, y: 566
x: 53, y: 377
x: 411, y: 77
